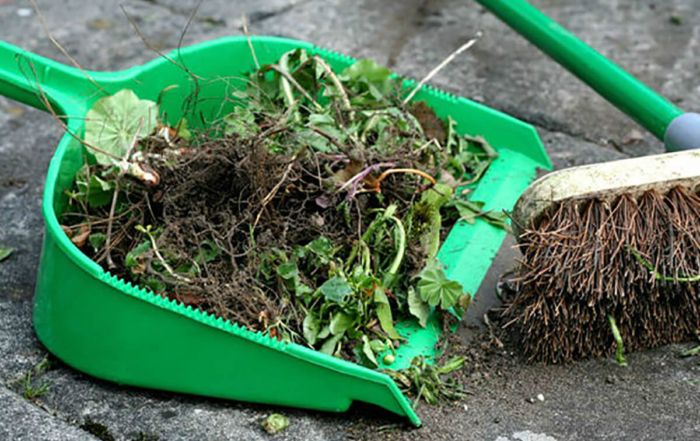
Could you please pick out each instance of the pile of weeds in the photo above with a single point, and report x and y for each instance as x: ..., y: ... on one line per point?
x: 313, y: 212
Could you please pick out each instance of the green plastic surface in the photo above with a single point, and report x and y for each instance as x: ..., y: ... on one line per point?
x: 621, y: 89
x: 112, y: 330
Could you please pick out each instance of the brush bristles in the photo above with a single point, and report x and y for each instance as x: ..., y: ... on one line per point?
x: 579, y: 267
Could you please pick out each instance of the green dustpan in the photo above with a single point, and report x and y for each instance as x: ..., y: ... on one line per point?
x: 110, y: 329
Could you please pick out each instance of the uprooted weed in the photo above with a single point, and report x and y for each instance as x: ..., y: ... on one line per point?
x: 312, y: 212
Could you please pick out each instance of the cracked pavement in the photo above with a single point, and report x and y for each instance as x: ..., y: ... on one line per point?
x: 654, y: 398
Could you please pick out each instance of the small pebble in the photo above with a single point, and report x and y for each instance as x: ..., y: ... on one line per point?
x: 24, y: 12
x: 540, y: 397
x: 496, y: 420
x: 530, y: 400
x: 611, y: 379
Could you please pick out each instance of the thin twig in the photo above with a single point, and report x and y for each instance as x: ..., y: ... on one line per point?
x: 62, y: 49
x: 338, y: 85
x: 440, y: 66
x: 165, y: 264
x: 294, y: 83
x: 402, y: 170
x: 329, y: 138
x: 124, y: 164
x: 155, y: 49
x: 274, y: 191
x: 244, y: 22
x: 108, y: 242
x: 47, y: 104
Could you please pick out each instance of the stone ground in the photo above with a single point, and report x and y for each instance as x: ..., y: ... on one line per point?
x: 655, y: 398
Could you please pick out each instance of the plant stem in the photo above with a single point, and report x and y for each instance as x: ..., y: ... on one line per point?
x: 336, y: 81
x: 402, y: 170
x: 620, y: 351
x: 288, y: 80
x: 108, y: 242
x: 656, y: 274
x: 439, y: 67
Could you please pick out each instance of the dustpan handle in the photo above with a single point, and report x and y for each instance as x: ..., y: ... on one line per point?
x: 655, y: 113
x: 22, y: 72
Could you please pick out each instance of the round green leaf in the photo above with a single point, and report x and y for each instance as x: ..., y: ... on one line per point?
x: 114, y: 120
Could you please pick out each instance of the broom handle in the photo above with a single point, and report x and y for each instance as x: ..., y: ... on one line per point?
x: 654, y: 112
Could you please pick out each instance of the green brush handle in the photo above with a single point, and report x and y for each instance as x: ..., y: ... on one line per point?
x: 655, y: 113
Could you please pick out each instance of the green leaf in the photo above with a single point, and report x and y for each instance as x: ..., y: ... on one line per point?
x: 311, y: 327
x: 336, y: 289
x: 133, y: 256
x: 438, y: 195
x: 97, y: 192
x: 454, y: 364
x: 366, y: 69
x: 324, y: 332
x: 114, y: 120
x: 434, y: 287
x: 470, y: 210
x: 97, y: 240
x: 5, y: 253
x: 329, y: 346
x: 418, y: 307
x: 318, y: 119
x: 156, y: 284
x: 306, y: 136
x: 208, y: 251
x: 275, y: 423
x: 322, y: 248
x: 341, y: 322
x: 101, y: 191
x: 182, y: 130
x: 384, y: 313
x: 288, y: 271
x: 377, y: 346
x: 241, y: 122
x: 367, y: 350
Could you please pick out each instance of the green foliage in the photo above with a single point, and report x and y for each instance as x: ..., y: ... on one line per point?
x: 208, y: 251
x: 32, y: 385
x: 469, y: 211
x: 418, y: 307
x: 341, y: 322
x: 384, y: 315
x: 335, y: 289
x: 426, y: 220
x: 93, y: 189
x: 311, y: 327
x: 275, y: 423
x: 289, y: 273
x: 241, y: 122
x: 5, y: 252
x: 426, y: 380
x: 435, y: 288
x: 620, y: 350
x: 113, y: 122
x: 97, y: 240
x: 136, y: 256
x: 368, y: 81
